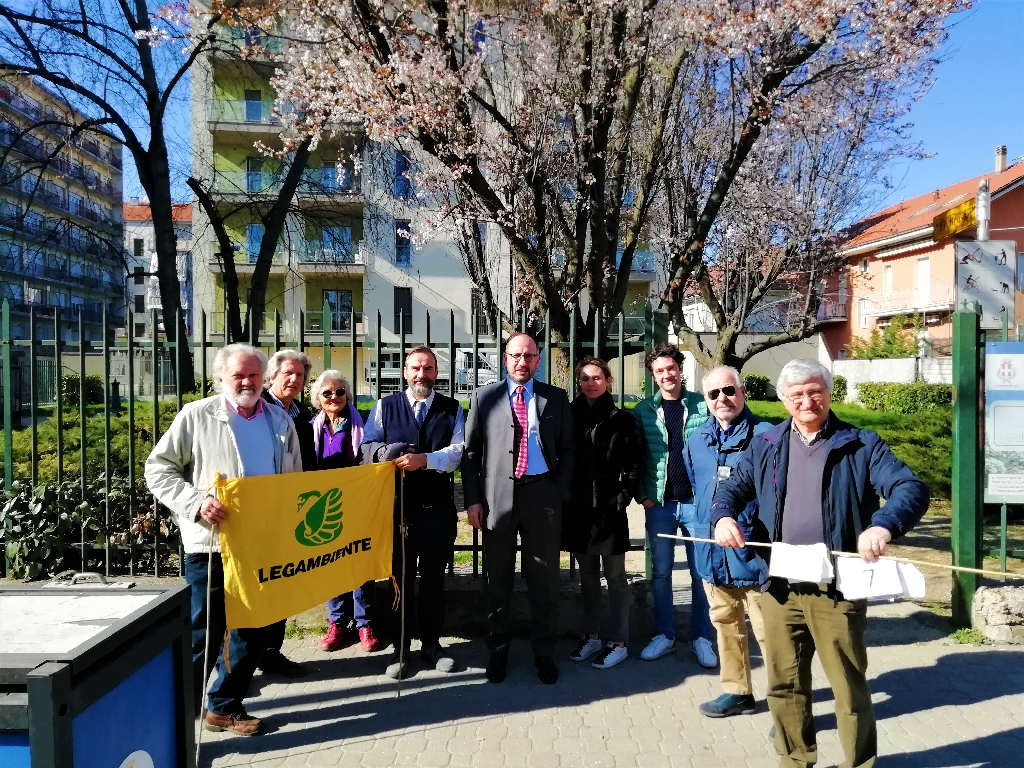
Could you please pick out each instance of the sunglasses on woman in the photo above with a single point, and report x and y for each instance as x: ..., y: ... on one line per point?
x: 727, y: 391
x: 339, y: 392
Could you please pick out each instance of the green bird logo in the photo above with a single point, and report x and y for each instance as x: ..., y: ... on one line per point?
x: 321, y: 523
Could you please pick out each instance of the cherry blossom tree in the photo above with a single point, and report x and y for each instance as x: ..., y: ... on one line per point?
x: 552, y: 118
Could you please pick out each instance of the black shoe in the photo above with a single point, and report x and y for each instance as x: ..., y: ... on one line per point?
x: 497, y: 666
x: 276, y: 663
x: 398, y: 670
x: 547, y: 672
x: 437, y: 657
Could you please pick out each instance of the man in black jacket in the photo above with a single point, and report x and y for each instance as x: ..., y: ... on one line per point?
x: 287, y: 372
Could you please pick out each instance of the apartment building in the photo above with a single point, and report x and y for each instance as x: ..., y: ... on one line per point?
x: 60, y: 216
x: 142, y: 287
x: 901, y: 260
x: 354, y: 237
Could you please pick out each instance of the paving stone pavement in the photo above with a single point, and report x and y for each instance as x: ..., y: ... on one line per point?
x: 937, y: 703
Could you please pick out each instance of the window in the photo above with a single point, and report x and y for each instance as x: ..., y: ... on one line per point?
x: 254, y: 174
x: 253, y: 107
x: 139, y: 248
x: 863, y: 307
x: 403, y: 186
x: 140, y: 302
x: 337, y: 244
x: 140, y: 330
x: 887, y: 281
x: 340, y: 303
x: 254, y: 237
x: 403, y: 309
x: 864, y: 267
x: 138, y: 274
x: 403, y: 243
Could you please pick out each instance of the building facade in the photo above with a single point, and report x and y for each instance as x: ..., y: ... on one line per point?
x: 61, y: 228
x: 900, y: 263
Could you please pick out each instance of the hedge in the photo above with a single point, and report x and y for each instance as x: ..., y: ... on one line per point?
x: 904, y: 398
x: 758, y: 386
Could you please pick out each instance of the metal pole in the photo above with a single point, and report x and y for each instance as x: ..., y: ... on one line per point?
x: 277, y: 330
x: 131, y: 425
x: 622, y: 359
x: 8, y: 384
x: 966, y: 533
x: 33, y: 384
x: 380, y: 356
x: 202, y: 351
x: 572, y: 353
x: 355, y: 360
x: 59, y: 384
x: 81, y: 417
x: 325, y: 326
x: 180, y: 350
x: 475, y: 364
x: 547, y: 345
x: 597, y: 332
x: 106, y: 440
x: 156, y: 436
x: 451, y: 356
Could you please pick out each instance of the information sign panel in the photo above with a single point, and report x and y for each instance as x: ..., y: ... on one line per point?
x: 1004, y: 422
x: 986, y: 273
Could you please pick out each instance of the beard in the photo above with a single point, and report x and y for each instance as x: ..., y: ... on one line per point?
x: 422, y: 387
x: 245, y: 397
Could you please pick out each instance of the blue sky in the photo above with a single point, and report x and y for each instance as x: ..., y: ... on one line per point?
x: 976, y: 103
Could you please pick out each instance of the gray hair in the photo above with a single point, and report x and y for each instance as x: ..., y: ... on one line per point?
x: 277, y: 360
x: 329, y: 375
x: 735, y: 376
x: 800, y: 371
x: 220, y: 360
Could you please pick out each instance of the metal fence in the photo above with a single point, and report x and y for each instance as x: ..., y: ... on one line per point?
x: 100, y: 404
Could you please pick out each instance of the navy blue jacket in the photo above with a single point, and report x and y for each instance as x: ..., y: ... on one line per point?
x: 704, y: 453
x: 860, y: 468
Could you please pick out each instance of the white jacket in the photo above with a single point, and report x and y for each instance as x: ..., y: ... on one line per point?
x: 200, y: 445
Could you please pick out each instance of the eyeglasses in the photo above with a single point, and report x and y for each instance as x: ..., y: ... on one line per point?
x: 528, y: 357
x: 339, y: 392
x: 727, y: 391
x: 815, y: 395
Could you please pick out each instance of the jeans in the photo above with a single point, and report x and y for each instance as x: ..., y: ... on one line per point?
x: 238, y: 656
x: 354, y: 605
x: 668, y: 518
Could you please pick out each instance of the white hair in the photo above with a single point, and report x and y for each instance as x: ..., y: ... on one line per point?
x: 277, y: 360
x: 800, y: 371
x: 329, y: 375
x: 732, y: 371
x: 220, y: 360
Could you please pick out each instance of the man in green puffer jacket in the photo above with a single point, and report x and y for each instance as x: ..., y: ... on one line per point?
x: 664, y: 421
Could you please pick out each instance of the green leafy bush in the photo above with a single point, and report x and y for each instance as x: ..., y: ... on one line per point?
x: 897, y: 339
x: 70, y: 396
x: 839, y: 389
x: 904, y: 398
x: 758, y: 386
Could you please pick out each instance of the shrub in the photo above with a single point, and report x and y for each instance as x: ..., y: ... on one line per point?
x: 839, y: 389
x: 898, y: 339
x: 758, y: 386
x: 904, y: 398
x: 69, y: 393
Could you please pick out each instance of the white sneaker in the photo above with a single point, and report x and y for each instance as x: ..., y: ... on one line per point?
x: 610, y: 656
x: 586, y: 649
x: 705, y: 653
x: 658, y: 647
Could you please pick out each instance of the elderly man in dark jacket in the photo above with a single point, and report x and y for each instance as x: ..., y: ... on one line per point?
x: 733, y: 578
x: 818, y: 479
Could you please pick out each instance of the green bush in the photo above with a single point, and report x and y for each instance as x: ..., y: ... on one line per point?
x: 758, y: 386
x: 839, y: 389
x: 904, y: 398
x: 897, y: 339
x: 70, y: 396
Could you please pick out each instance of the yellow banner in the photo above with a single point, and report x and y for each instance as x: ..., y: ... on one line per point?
x: 293, y: 541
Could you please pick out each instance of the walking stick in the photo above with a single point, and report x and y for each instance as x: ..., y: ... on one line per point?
x: 962, y: 568
x: 206, y: 652
x: 401, y: 597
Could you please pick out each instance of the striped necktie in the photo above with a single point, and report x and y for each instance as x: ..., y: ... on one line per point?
x: 520, y: 434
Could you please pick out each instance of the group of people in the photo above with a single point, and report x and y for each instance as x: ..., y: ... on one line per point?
x: 557, y: 476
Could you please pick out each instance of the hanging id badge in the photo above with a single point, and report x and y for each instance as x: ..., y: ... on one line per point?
x: 724, y: 473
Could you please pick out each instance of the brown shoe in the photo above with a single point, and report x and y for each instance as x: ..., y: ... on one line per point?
x: 243, y: 724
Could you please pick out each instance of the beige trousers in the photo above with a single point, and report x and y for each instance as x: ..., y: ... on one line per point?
x: 730, y: 607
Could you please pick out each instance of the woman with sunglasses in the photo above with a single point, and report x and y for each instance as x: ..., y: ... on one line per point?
x: 594, y: 524
x: 337, y: 433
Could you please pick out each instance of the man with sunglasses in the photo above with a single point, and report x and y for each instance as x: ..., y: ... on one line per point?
x: 422, y: 432
x: 516, y: 475
x: 818, y: 480
x: 732, y: 578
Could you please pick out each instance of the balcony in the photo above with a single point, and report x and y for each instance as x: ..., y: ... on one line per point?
x: 246, y: 262
x: 938, y: 297
x: 322, y: 184
x: 249, y: 113
x: 833, y: 309
x: 234, y: 39
x: 341, y: 322
x: 314, y: 256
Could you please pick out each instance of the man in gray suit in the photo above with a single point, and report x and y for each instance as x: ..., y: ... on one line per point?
x: 516, y: 474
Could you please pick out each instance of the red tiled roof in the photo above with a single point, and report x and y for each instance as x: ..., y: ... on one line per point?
x: 141, y: 212
x: 919, y: 211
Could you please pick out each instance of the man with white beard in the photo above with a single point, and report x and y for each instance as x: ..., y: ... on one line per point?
x: 235, y: 433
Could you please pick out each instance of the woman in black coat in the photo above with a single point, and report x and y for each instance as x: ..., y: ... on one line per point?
x: 594, y: 524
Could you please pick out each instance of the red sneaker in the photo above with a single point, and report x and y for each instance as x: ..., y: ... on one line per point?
x: 334, y: 638
x: 367, y: 639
